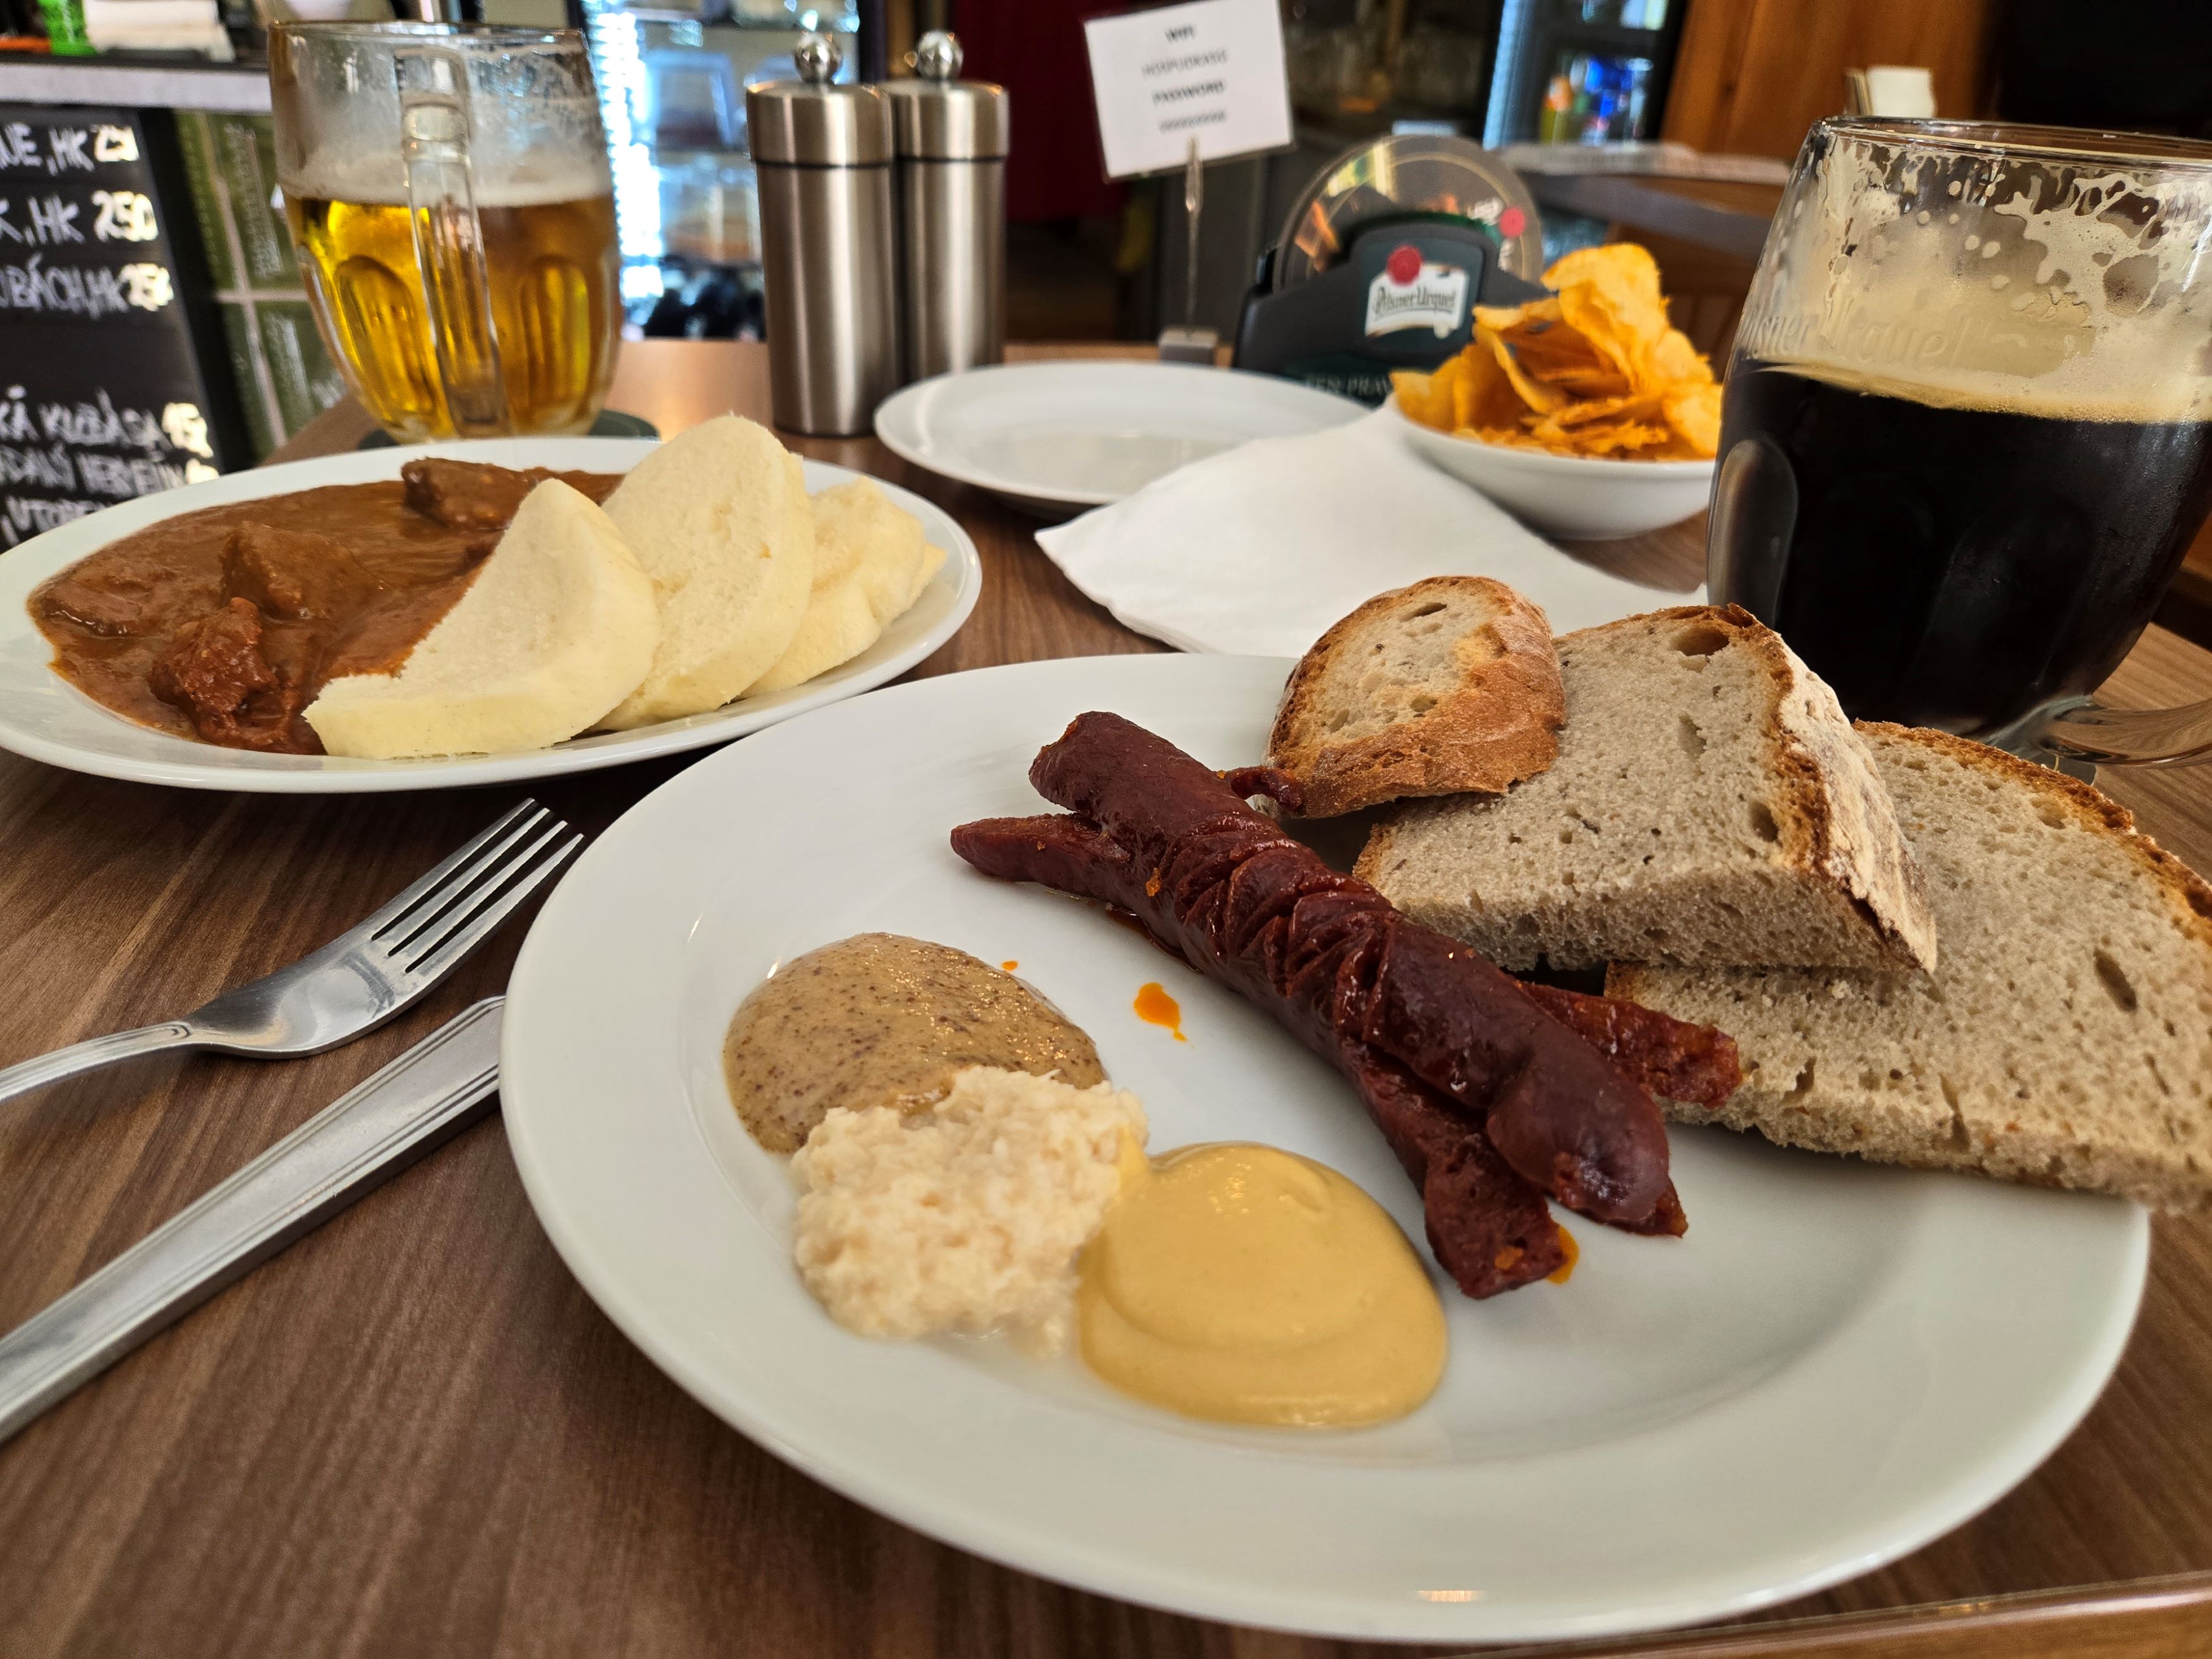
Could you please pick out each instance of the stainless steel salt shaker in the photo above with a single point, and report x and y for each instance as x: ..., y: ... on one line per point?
x: 829, y: 257
x: 951, y: 142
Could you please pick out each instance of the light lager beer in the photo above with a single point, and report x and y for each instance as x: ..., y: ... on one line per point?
x: 555, y: 313
x: 452, y: 204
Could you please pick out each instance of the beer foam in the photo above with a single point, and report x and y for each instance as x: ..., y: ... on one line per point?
x: 380, y: 181
x: 1976, y: 279
x: 1987, y: 394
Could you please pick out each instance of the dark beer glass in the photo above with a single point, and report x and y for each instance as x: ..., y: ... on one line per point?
x: 1967, y: 432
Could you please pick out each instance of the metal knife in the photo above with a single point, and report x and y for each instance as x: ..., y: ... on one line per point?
x: 417, y: 1103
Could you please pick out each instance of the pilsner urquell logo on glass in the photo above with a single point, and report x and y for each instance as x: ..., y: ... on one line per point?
x: 1410, y: 293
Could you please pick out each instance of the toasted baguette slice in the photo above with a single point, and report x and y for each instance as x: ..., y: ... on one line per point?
x: 866, y: 554
x: 1448, y: 685
x: 558, y: 626
x: 719, y: 518
x: 2065, y: 1039
x: 1709, y: 806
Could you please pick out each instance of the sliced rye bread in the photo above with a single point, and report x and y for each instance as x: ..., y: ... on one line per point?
x: 2064, y: 1040
x: 1710, y: 805
x: 1445, y: 686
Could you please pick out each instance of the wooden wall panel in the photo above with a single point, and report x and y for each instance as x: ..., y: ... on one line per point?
x: 1752, y: 75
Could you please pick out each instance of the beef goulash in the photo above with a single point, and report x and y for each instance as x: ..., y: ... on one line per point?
x: 224, y: 624
x: 1490, y: 1103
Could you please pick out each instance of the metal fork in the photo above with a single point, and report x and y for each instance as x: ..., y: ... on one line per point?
x: 360, y: 979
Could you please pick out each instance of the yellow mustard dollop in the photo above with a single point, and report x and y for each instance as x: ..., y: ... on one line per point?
x: 1248, y: 1285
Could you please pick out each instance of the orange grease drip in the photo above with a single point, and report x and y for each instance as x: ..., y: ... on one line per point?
x: 1565, y: 1270
x: 1009, y: 967
x: 1156, y: 1007
x: 1510, y: 1258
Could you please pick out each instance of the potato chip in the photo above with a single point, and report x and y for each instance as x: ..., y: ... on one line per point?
x: 1694, y: 410
x: 1537, y: 396
x: 1673, y: 361
x: 1445, y: 391
x: 1646, y: 407
x: 1626, y: 436
x: 1621, y: 334
x: 1417, y: 398
x: 1499, y: 318
x: 1599, y: 380
x: 1482, y: 393
x: 1620, y: 268
x: 1594, y: 369
x: 1510, y: 437
x: 1558, y: 356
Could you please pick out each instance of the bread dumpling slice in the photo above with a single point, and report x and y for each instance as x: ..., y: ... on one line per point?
x: 867, y: 552
x: 719, y: 517
x: 933, y: 560
x: 558, y: 626
x: 895, y: 549
x: 838, y: 626
x: 902, y: 560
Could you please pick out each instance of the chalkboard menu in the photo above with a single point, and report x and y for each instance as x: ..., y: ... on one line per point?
x: 105, y: 389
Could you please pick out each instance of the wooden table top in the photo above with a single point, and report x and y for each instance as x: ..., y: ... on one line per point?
x: 414, y: 1434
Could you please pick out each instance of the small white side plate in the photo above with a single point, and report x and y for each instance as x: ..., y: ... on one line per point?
x: 1838, y: 1363
x: 44, y: 717
x: 1056, y: 437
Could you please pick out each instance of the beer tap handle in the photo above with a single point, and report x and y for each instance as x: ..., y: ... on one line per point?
x: 2130, y: 736
x: 449, y: 245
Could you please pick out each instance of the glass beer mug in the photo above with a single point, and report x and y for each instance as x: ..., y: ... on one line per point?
x: 453, y: 210
x: 1966, y: 437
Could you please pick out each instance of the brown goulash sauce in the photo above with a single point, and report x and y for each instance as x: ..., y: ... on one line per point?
x: 224, y: 624
x: 879, y: 1019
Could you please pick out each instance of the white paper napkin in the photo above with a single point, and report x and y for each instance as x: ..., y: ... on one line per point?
x: 1257, y: 550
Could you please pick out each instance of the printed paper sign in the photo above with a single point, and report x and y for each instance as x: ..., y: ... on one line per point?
x: 1211, y: 71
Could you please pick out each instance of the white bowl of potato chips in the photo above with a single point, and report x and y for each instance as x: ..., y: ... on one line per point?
x: 1568, y: 498
x: 1586, y: 412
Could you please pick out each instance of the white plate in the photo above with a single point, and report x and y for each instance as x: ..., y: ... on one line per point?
x: 1838, y: 1363
x: 44, y: 717
x: 1568, y: 498
x: 1056, y: 437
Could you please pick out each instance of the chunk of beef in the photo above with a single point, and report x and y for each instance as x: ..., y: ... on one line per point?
x: 469, y: 494
x: 294, y: 573
x: 120, y: 601
x: 218, y: 670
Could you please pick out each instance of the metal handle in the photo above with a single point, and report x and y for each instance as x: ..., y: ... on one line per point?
x: 449, y: 245
x: 93, y: 1054
x: 430, y: 1093
x: 2130, y: 736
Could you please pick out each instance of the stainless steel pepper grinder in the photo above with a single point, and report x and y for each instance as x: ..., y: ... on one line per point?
x: 952, y: 140
x: 829, y: 257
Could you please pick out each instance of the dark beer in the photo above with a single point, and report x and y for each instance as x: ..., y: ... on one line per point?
x: 1944, y: 565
